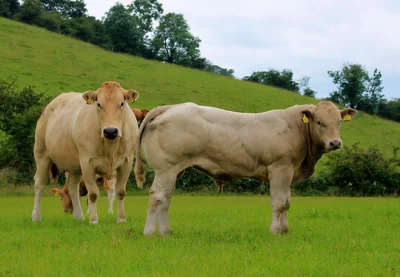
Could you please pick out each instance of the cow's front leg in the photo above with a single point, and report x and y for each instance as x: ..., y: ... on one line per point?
x: 120, y: 188
x: 89, y: 178
x: 111, y: 191
x: 280, y: 177
x: 73, y: 182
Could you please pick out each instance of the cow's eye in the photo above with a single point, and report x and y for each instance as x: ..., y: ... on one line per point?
x: 319, y: 123
x: 98, y: 105
x: 122, y: 104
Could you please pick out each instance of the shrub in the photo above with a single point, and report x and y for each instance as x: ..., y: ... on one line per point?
x: 19, y: 111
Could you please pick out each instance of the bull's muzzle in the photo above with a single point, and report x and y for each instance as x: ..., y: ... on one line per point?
x: 110, y: 133
x: 335, y: 144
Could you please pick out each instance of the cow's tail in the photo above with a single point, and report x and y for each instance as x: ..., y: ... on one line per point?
x: 139, y: 164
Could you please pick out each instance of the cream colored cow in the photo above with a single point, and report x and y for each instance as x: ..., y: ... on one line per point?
x: 87, y: 134
x: 279, y: 146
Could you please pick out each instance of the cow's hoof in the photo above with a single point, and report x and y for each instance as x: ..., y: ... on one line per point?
x: 93, y: 222
x: 148, y: 231
x: 121, y: 220
x: 110, y: 212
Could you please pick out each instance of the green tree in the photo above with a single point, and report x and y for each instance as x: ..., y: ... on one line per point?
x: 30, y: 11
x: 51, y: 21
x: 309, y: 92
x: 173, y: 41
x: 8, y: 8
x: 273, y: 77
x: 119, y: 26
x: 352, y: 81
x: 219, y: 70
x: 67, y: 8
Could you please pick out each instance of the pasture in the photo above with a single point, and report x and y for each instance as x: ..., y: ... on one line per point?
x: 212, y: 236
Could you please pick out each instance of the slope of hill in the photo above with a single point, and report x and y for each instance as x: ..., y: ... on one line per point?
x: 55, y: 63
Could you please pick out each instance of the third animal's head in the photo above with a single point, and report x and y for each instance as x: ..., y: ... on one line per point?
x: 111, y: 101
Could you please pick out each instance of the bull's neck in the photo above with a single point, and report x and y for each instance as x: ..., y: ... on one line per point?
x: 110, y: 148
x: 313, y: 152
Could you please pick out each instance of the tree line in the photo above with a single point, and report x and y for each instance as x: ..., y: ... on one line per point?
x: 130, y: 29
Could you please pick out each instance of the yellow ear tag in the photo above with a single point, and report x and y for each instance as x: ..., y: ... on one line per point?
x: 347, y: 117
x: 305, y: 119
x: 90, y: 101
x: 131, y: 100
x: 56, y: 194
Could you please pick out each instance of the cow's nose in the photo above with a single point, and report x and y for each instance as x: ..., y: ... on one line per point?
x: 110, y: 133
x: 335, y: 143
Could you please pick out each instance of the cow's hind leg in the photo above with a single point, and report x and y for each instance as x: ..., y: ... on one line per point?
x: 280, y: 177
x: 73, y: 182
x: 43, y: 164
x: 159, y: 201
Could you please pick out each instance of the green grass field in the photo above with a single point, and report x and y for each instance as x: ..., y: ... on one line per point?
x: 212, y: 236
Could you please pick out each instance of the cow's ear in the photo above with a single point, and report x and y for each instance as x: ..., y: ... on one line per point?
x: 306, y: 115
x: 348, y: 113
x: 90, y: 97
x: 131, y: 95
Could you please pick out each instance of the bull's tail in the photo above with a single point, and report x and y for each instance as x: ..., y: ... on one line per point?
x: 53, y: 172
x: 139, y: 164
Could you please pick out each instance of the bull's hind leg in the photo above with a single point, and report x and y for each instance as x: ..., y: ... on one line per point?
x: 73, y: 182
x: 280, y: 180
x: 159, y: 201
x: 43, y: 164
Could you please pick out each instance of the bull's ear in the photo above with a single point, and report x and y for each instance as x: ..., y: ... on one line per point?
x: 90, y: 97
x: 348, y: 114
x: 131, y: 95
x: 55, y: 191
x: 306, y: 115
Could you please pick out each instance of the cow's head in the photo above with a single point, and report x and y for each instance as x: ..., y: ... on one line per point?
x: 325, y: 120
x: 65, y: 198
x: 111, y: 100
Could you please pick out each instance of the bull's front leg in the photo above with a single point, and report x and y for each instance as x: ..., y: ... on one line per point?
x: 120, y: 188
x: 280, y: 177
x: 89, y: 178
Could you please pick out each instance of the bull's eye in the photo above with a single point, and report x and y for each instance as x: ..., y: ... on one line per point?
x: 122, y: 104
x: 319, y: 123
x: 98, y: 105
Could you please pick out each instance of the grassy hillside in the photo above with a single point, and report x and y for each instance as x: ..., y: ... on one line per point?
x: 55, y: 63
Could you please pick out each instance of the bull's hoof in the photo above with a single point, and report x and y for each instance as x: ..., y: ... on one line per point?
x: 121, y: 220
x: 277, y: 231
x: 165, y: 232
x: 36, y: 216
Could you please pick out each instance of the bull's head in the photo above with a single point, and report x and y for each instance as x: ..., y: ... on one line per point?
x: 111, y: 101
x: 325, y: 120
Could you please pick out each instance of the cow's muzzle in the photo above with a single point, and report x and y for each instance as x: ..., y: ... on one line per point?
x: 110, y: 133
